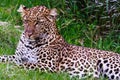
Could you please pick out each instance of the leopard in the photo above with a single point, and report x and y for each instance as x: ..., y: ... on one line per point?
x: 42, y: 47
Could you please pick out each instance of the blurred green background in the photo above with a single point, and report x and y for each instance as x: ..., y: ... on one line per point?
x: 86, y: 23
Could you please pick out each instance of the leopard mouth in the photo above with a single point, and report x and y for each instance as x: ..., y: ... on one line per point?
x: 37, y: 38
x: 32, y: 39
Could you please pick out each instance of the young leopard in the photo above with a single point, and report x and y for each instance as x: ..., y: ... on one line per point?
x: 42, y: 47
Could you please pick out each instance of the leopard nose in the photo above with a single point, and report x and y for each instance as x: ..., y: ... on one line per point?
x: 29, y: 34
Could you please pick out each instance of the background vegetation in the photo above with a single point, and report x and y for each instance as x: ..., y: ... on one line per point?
x: 86, y: 23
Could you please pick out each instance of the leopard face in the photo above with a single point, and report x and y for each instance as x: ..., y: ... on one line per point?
x: 37, y: 21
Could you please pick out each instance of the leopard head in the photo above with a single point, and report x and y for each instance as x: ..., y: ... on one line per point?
x: 38, y: 21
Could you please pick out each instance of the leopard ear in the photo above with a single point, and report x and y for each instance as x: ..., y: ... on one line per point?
x: 21, y: 9
x: 53, y: 12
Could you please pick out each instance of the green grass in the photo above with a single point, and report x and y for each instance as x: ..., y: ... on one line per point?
x: 11, y: 72
x: 72, y: 25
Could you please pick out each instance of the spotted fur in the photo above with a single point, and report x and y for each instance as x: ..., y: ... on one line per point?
x: 42, y: 47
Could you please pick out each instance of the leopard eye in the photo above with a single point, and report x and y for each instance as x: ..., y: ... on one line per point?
x: 25, y: 21
x: 41, y: 19
x: 36, y: 22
